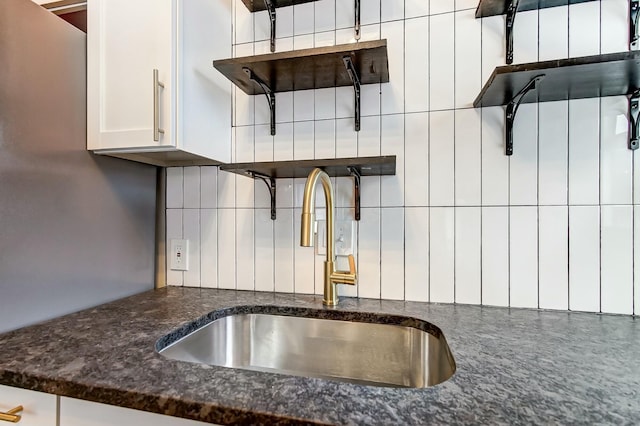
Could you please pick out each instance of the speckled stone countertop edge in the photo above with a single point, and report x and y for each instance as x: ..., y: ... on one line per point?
x: 285, y: 397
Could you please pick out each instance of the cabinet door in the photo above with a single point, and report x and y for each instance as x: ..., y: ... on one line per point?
x: 38, y: 409
x: 76, y: 412
x: 126, y: 41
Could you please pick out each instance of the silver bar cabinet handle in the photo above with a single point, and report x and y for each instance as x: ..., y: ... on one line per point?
x: 12, y: 415
x: 156, y: 107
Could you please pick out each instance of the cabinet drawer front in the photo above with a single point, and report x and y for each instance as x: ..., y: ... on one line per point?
x: 76, y: 412
x: 39, y: 409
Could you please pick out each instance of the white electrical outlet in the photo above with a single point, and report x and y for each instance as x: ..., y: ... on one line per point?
x: 179, y: 255
x: 343, y: 235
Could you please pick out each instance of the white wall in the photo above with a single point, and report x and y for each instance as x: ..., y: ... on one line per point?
x: 553, y: 226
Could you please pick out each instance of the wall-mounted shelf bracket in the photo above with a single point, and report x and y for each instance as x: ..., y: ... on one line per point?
x: 271, y: 96
x: 634, y: 120
x: 271, y: 9
x: 634, y: 13
x: 355, y: 173
x: 271, y: 186
x: 356, y: 25
x: 355, y: 79
x: 509, y: 22
x: 512, y: 109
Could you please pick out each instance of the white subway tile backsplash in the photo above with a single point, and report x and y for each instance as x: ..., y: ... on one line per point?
x: 174, y: 231
x: 468, y: 58
x: 493, y: 45
x: 416, y: 146
x: 584, y: 258
x: 416, y: 66
x: 392, y: 143
x: 468, y: 157
x: 584, y: 151
x: 441, y: 158
x: 345, y: 14
x: 495, y: 164
x: 191, y: 232
x: 553, y: 136
x: 369, y: 253
x: 552, y: 226
x: 303, y: 18
x: 495, y: 256
x: 370, y: 11
x: 325, y: 139
x: 636, y: 260
x: 441, y: 61
x: 325, y: 16
x: 553, y: 269
x: 441, y: 6
x: 264, y: 250
x: 369, y: 137
x: 614, y: 26
x: 283, y: 142
x: 284, y: 251
x: 392, y: 101
x: 441, y: 254
x: 416, y: 8
x: 392, y: 254
x: 245, y: 252
x: 617, y: 259
x: 209, y: 248
x: 391, y: 10
x: 303, y: 137
x: 416, y: 257
x: 468, y: 265
x: 523, y: 168
x: 208, y: 187
x: 523, y: 257
x: 584, y: 29
x: 616, y: 164
x: 175, y: 187
x: 553, y: 33
x: 525, y: 37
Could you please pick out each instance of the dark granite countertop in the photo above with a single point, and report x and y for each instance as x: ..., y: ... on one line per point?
x: 513, y: 366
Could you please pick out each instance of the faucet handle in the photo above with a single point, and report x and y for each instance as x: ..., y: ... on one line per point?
x: 352, y: 265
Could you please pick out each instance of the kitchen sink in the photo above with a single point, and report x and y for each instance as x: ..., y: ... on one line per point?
x: 357, y: 348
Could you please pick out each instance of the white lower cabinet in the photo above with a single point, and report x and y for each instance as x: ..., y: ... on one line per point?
x: 76, y: 412
x: 38, y: 409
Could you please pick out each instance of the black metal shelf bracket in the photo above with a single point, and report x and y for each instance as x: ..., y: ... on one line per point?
x: 512, y: 109
x: 509, y: 22
x: 634, y: 13
x: 357, y: 19
x: 271, y: 9
x: 634, y: 121
x: 355, y: 173
x: 271, y: 97
x: 355, y: 79
x: 271, y: 186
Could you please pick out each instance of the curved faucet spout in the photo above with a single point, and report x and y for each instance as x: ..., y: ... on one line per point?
x: 331, y: 276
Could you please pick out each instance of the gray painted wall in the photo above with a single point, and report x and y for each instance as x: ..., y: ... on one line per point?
x: 76, y: 230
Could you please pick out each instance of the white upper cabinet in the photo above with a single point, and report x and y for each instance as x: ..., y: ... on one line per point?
x: 181, y: 117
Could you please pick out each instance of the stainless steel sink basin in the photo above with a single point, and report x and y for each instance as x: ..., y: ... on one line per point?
x: 357, y: 352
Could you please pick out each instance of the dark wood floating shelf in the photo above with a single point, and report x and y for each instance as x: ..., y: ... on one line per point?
x: 322, y: 67
x: 259, y: 5
x: 357, y: 167
x: 500, y: 7
x: 316, y: 68
x: 574, y: 78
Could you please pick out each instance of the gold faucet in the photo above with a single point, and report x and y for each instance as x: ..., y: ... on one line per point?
x: 331, y: 276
